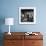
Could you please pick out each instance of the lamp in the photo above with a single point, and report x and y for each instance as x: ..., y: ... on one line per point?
x: 9, y: 21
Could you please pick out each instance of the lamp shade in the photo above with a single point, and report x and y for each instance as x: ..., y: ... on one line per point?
x: 9, y: 21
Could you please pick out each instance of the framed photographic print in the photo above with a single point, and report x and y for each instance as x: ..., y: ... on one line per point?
x: 27, y: 15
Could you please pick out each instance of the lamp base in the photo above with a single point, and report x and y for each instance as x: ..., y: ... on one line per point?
x: 9, y: 33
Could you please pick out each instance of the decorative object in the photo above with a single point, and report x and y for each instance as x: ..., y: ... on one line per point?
x: 31, y: 33
x: 9, y: 21
x: 27, y: 15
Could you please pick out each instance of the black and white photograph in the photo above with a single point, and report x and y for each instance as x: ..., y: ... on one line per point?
x: 27, y: 15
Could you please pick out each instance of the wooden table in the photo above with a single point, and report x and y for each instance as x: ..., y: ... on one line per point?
x: 20, y: 39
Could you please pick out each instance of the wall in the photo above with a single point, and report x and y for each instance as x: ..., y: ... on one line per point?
x: 10, y: 8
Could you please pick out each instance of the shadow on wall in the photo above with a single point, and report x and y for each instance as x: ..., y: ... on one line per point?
x: 2, y: 21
